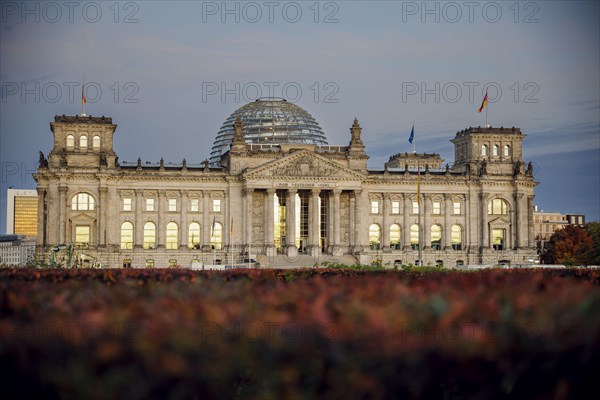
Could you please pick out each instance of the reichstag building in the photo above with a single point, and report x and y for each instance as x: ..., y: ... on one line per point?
x: 274, y: 190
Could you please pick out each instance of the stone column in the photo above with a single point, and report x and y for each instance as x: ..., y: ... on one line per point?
x: 336, y: 250
x: 183, y: 221
x: 247, y: 210
x: 226, y: 223
x: 358, y: 242
x: 160, y: 226
x: 313, y: 226
x: 269, y: 222
x: 407, y: 209
x: 62, y: 215
x: 352, y: 225
x: 41, y: 217
x: 52, y: 214
x: 206, y: 220
x: 292, y: 250
x: 447, y: 228
x: 103, y: 205
x: 530, y: 238
x: 484, y: 229
x: 385, y: 229
x: 426, y: 212
x: 138, y: 228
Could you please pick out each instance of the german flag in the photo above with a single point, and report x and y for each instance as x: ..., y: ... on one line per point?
x: 483, y: 103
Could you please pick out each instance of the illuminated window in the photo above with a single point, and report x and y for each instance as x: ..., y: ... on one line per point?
x: 127, y: 235
x: 497, y: 207
x: 149, y: 204
x: 127, y: 204
x: 456, y: 237
x: 436, y: 237
x: 495, y: 150
x: 149, y: 235
x: 172, y: 204
x: 375, y: 207
x: 70, y: 141
x: 414, y: 236
x: 82, y: 236
x: 506, y: 150
x: 83, y: 142
x: 395, y: 237
x: 437, y: 207
x: 82, y: 202
x: 216, y: 237
x: 149, y: 263
x: 172, y: 236
x: 456, y: 208
x: 395, y: 207
x: 96, y: 142
x: 194, y: 236
x: 374, y: 236
x: 484, y: 150
x: 415, y: 207
x: 194, y: 205
x: 498, y: 240
x: 216, y: 205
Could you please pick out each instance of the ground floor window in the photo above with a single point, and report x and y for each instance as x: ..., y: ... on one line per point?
x: 374, y: 237
x: 149, y: 263
x: 82, y: 236
x: 498, y: 240
x: 127, y: 263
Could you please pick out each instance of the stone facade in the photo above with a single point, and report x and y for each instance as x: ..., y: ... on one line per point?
x: 284, y: 204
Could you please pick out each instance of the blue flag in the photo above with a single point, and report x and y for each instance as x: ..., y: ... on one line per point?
x: 412, y: 135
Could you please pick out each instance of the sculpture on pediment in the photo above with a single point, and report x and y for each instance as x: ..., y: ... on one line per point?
x: 43, y: 162
x: 517, y: 169
x: 103, y: 161
x: 530, y: 168
x: 483, y: 170
x: 63, y: 158
x: 305, y: 166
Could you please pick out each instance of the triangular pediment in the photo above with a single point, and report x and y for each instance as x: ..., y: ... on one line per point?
x: 503, y: 219
x: 302, y: 164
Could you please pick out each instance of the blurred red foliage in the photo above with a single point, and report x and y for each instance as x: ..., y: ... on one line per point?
x: 336, y: 333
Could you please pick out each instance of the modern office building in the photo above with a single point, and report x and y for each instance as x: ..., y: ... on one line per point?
x: 546, y: 223
x: 21, y: 212
x: 274, y: 190
x: 16, y: 250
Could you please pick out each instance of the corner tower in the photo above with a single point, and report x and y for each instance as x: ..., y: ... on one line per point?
x: 496, y: 151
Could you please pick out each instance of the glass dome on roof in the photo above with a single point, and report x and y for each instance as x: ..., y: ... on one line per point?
x: 269, y: 120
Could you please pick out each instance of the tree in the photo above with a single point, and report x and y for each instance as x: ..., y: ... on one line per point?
x: 592, y: 256
x: 569, y: 246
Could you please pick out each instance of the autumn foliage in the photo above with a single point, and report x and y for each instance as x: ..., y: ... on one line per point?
x: 312, y: 333
x: 570, y: 246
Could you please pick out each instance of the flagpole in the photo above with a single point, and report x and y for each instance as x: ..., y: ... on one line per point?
x: 486, y: 113
x: 419, y: 210
x: 83, y: 100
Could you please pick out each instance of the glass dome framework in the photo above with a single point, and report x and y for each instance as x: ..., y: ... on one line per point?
x: 269, y: 120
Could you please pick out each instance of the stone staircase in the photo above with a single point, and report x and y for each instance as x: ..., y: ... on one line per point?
x: 303, y: 260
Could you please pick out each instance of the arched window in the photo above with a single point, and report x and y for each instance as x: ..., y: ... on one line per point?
x: 127, y: 235
x: 395, y: 237
x: 172, y: 236
x: 497, y: 207
x: 96, y: 142
x: 83, y: 142
x: 506, y: 150
x: 484, y: 150
x: 194, y: 236
x: 436, y: 237
x: 149, y: 235
x: 456, y: 237
x: 374, y: 236
x: 414, y: 236
x: 216, y: 237
x: 495, y: 150
x: 82, y: 202
x: 70, y: 141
